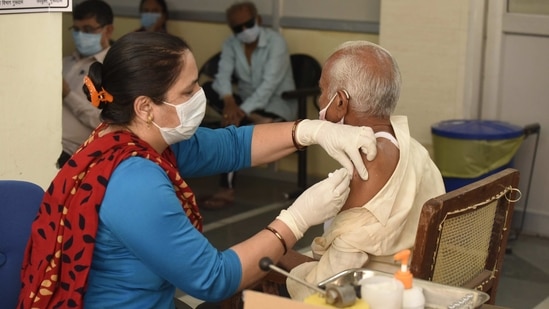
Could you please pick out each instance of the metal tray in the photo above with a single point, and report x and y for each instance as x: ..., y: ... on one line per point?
x: 437, y: 296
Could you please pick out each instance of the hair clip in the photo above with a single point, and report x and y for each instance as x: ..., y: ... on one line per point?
x: 97, y: 97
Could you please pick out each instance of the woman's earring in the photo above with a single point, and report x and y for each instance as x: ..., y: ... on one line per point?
x: 149, y: 121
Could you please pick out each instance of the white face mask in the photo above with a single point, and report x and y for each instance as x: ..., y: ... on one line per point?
x: 322, y: 113
x: 190, y: 114
x: 248, y: 35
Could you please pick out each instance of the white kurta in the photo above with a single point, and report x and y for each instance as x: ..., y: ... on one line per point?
x: 385, y: 225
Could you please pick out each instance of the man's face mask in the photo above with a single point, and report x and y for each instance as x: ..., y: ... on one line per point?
x: 247, y: 32
x: 322, y: 113
x: 87, y: 44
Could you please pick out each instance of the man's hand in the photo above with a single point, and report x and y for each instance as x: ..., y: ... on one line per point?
x: 232, y: 114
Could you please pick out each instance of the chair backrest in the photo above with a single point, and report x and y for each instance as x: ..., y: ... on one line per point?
x: 306, y: 70
x: 462, y: 235
x: 209, y: 68
x: 207, y: 71
x: 19, y: 203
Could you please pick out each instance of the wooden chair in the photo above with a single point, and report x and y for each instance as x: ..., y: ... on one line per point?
x: 462, y: 235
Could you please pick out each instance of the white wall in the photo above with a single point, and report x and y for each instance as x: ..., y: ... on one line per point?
x: 440, y: 51
x: 430, y: 46
x: 30, y: 96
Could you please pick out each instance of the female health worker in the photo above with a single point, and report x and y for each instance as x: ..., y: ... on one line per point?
x: 119, y: 227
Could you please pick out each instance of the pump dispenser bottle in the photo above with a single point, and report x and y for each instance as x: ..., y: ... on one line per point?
x: 413, y: 297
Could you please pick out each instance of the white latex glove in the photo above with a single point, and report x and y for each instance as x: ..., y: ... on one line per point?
x: 318, y: 203
x: 341, y: 142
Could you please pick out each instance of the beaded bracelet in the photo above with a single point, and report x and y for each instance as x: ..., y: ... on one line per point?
x: 277, y: 234
x: 296, y: 144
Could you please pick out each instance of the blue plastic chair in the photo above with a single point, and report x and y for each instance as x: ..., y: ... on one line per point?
x: 19, y: 203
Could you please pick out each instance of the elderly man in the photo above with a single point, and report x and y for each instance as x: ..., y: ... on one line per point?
x: 259, y: 60
x: 360, y: 85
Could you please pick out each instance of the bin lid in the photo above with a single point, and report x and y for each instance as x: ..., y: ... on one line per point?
x: 476, y: 129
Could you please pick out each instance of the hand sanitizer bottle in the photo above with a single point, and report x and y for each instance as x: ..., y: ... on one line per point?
x: 412, y: 297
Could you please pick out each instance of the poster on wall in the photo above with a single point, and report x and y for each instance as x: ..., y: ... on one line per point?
x: 34, y: 6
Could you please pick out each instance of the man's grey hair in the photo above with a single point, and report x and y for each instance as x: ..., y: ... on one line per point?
x: 369, y: 73
x: 237, y: 6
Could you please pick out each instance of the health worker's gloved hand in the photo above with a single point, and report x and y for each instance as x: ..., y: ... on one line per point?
x: 341, y: 142
x: 318, y: 203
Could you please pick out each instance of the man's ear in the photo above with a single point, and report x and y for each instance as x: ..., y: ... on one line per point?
x: 347, y: 96
x: 342, y: 103
x: 109, y: 29
x: 343, y: 100
x: 259, y: 20
x: 107, y: 40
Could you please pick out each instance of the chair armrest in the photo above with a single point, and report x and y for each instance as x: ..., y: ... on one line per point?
x: 300, y: 93
x: 482, y: 280
x: 275, y: 277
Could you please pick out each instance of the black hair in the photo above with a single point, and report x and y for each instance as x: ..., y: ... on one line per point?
x: 94, y: 8
x: 138, y: 64
x: 162, y: 4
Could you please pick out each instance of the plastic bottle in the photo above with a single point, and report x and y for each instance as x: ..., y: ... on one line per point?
x: 412, y: 297
x: 382, y: 292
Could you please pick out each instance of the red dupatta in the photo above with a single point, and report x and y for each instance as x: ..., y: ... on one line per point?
x: 60, y: 250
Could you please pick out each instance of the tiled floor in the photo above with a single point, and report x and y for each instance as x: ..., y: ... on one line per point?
x: 525, y: 277
x: 258, y: 202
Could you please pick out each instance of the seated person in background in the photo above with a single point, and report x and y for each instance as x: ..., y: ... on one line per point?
x: 91, y: 30
x: 360, y: 86
x: 258, y: 57
x: 154, y: 15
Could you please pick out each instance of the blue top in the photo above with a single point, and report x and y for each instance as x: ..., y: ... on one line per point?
x: 146, y: 246
x: 476, y: 129
x: 260, y: 85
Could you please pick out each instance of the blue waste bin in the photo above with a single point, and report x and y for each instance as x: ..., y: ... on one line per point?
x: 468, y: 150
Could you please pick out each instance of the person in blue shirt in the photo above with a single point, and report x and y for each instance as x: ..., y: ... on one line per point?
x: 259, y: 60
x: 120, y: 228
